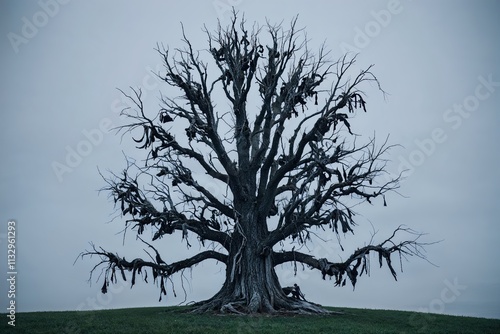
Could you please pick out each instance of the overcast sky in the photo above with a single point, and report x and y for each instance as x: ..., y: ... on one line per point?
x: 438, y: 61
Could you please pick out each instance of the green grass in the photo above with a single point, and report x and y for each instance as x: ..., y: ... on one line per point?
x: 176, y: 320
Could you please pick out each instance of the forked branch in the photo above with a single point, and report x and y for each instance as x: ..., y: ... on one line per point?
x: 114, y: 265
x: 358, y: 262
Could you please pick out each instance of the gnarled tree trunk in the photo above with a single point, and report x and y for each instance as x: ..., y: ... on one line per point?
x: 251, y: 284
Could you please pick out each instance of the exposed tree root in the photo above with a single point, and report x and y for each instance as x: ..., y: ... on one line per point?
x: 287, y: 306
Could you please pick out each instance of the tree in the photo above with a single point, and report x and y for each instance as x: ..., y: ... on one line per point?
x: 282, y: 147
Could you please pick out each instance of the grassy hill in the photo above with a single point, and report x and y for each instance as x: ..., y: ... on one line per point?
x: 176, y: 320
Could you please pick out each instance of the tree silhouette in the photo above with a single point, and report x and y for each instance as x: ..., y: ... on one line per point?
x: 281, y: 146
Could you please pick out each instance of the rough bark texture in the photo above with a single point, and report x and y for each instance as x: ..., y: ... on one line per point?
x: 283, y: 150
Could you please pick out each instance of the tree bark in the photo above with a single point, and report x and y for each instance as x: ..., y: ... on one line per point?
x: 251, y: 284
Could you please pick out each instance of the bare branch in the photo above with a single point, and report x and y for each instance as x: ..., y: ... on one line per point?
x: 159, y: 270
x: 357, y: 264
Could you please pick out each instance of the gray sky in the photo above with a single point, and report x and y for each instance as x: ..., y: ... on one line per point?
x: 438, y: 60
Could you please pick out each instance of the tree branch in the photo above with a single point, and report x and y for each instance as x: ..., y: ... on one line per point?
x: 133, y: 202
x: 357, y: 263
x: 162, y: 271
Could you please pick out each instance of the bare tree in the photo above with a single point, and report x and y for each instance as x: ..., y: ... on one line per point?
x: 281, y: 145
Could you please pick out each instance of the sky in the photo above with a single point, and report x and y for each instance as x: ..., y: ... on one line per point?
x: 63, y: 60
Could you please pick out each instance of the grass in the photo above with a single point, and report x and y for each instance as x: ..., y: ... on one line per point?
x: 176, y: 320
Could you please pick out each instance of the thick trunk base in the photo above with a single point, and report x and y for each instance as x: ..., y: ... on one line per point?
x: 251, y: 284
x: 233, y: 306
x: 251, y: 299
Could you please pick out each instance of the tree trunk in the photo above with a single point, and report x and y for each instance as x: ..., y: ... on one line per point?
x: 251, y: 284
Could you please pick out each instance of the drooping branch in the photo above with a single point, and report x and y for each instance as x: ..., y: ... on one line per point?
x: 320, y: 190
x: 158, y: 140
x: 203, y: 121
x: 358, y: 261
x: 133, y: 202
x: 283, y: 168
x: 160, y: 270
